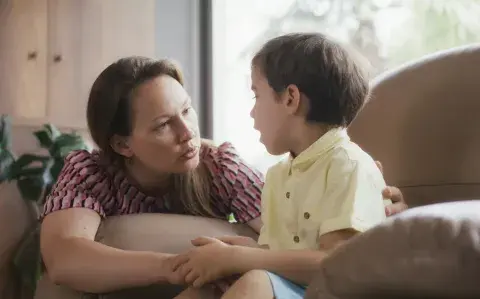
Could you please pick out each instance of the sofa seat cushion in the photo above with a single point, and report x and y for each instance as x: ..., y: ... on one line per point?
x: 426, y: 252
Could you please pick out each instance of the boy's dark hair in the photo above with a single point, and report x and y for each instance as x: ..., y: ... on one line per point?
x: 324, y: 72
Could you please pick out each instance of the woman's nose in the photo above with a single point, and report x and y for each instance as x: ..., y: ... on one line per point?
x: 186, y: 133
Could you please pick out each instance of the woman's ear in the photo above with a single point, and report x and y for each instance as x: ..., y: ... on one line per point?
x: 121, y: 146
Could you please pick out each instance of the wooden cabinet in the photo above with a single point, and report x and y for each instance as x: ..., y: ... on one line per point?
x: 23, y: 59
x: 51, y: 51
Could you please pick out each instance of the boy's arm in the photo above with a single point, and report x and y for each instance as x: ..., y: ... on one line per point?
x: 214, y: 259
x: 298, y: 266
x: 355, y: 205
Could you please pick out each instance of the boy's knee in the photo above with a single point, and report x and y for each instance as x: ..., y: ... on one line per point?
x: 254, y: 274
x: 198, y: 293
x: 254, y: 279
x: 254, y: 284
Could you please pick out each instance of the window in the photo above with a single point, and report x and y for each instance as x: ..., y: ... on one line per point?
x: 386, y: 32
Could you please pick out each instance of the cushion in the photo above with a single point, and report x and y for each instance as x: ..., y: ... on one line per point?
x: 161, y: 233
x: 148, y: 232
x: 427, y: 252
x: 422, y: 125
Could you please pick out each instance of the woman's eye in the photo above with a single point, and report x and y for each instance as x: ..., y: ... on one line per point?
x: 161, y: 126
x: 186, y: 110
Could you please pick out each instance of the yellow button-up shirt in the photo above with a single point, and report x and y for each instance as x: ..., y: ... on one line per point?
x: 332, y: 185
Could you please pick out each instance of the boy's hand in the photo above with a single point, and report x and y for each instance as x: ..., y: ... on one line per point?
x: 239, y: 241
x: 174, y: 277
x: 395, y: 195
x: 210, y: 261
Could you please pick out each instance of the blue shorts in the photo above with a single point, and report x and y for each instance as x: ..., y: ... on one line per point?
x: 284, y: 288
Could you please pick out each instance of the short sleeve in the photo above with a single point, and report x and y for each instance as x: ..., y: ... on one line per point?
x: 79, y: 184
x: 353, y: 196
x: 235, y: 184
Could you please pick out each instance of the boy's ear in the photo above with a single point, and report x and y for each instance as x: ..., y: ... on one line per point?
x: 293, y: 96
x: 120, y: 145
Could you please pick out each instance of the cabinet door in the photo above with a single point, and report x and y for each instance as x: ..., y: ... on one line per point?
x: 85, y: 37
x: 23, y: 54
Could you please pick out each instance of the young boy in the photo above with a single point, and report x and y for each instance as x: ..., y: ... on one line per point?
x: 307, y: 91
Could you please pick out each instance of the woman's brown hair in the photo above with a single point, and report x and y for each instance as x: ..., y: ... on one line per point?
x: 109, y: 113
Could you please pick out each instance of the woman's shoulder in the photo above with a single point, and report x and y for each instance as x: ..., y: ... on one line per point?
x: 82, y: 182
x: 224, y: 159
x: 84, y: 166
x: 218, y: 152
x: 81, y: 159
x: 236, y: 183
x: 82, y: 156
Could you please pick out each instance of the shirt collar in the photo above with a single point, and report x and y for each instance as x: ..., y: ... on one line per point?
x: 329, y: 140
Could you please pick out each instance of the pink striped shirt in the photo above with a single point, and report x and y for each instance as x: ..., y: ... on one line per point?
x: 85, y: 182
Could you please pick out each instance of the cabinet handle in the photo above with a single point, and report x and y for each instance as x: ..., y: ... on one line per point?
x: 57, y: 58
x: 32, y: 55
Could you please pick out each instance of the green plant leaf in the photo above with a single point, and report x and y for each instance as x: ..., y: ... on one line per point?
x: 20, y: 167
x: 47, y: 191
x: 44, y: 138
x: 34, y: 181
x: 57, y: 167
x: 52, y: 131
x: 5, y: 132
x: 35, y: 174
x: 30, y: 172
x: 47, y: 135
x: 66, y: 143
x: 31, y: 188
x: 6, y: 161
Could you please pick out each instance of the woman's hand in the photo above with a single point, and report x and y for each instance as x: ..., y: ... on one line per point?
x: 395, y: 195
x: 398, y: 204
x: 174, y: 277
x: 211, y: 260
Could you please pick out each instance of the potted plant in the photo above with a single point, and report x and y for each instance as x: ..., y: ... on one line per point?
x: 34, y: 175
x: 6, y: 154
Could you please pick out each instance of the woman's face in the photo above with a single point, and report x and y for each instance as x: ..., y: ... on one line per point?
x: 165, y: 137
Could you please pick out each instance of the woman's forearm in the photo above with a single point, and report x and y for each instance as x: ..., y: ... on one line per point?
x: 298, y: 266
x: 88, y: 266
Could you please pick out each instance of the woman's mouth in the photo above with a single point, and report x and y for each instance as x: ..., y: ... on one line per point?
x: 190, y: 153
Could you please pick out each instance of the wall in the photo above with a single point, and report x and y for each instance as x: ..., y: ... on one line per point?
x: 177, y: 37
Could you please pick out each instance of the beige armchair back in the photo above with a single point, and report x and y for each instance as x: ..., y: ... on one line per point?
x: 423, y: 124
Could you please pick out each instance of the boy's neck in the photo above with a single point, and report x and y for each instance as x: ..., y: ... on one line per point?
x: 305, y: 136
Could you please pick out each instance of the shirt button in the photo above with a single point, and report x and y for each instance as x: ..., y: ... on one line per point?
x: 287, y: 194
x: 306, y: 215
x: 296, y: 239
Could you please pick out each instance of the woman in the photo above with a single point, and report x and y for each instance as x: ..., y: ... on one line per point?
x: 151, y: 160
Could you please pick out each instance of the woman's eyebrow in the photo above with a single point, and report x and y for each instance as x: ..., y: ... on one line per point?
x: 187, y: 101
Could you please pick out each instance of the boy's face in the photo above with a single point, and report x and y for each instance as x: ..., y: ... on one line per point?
x: 270, y: 115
